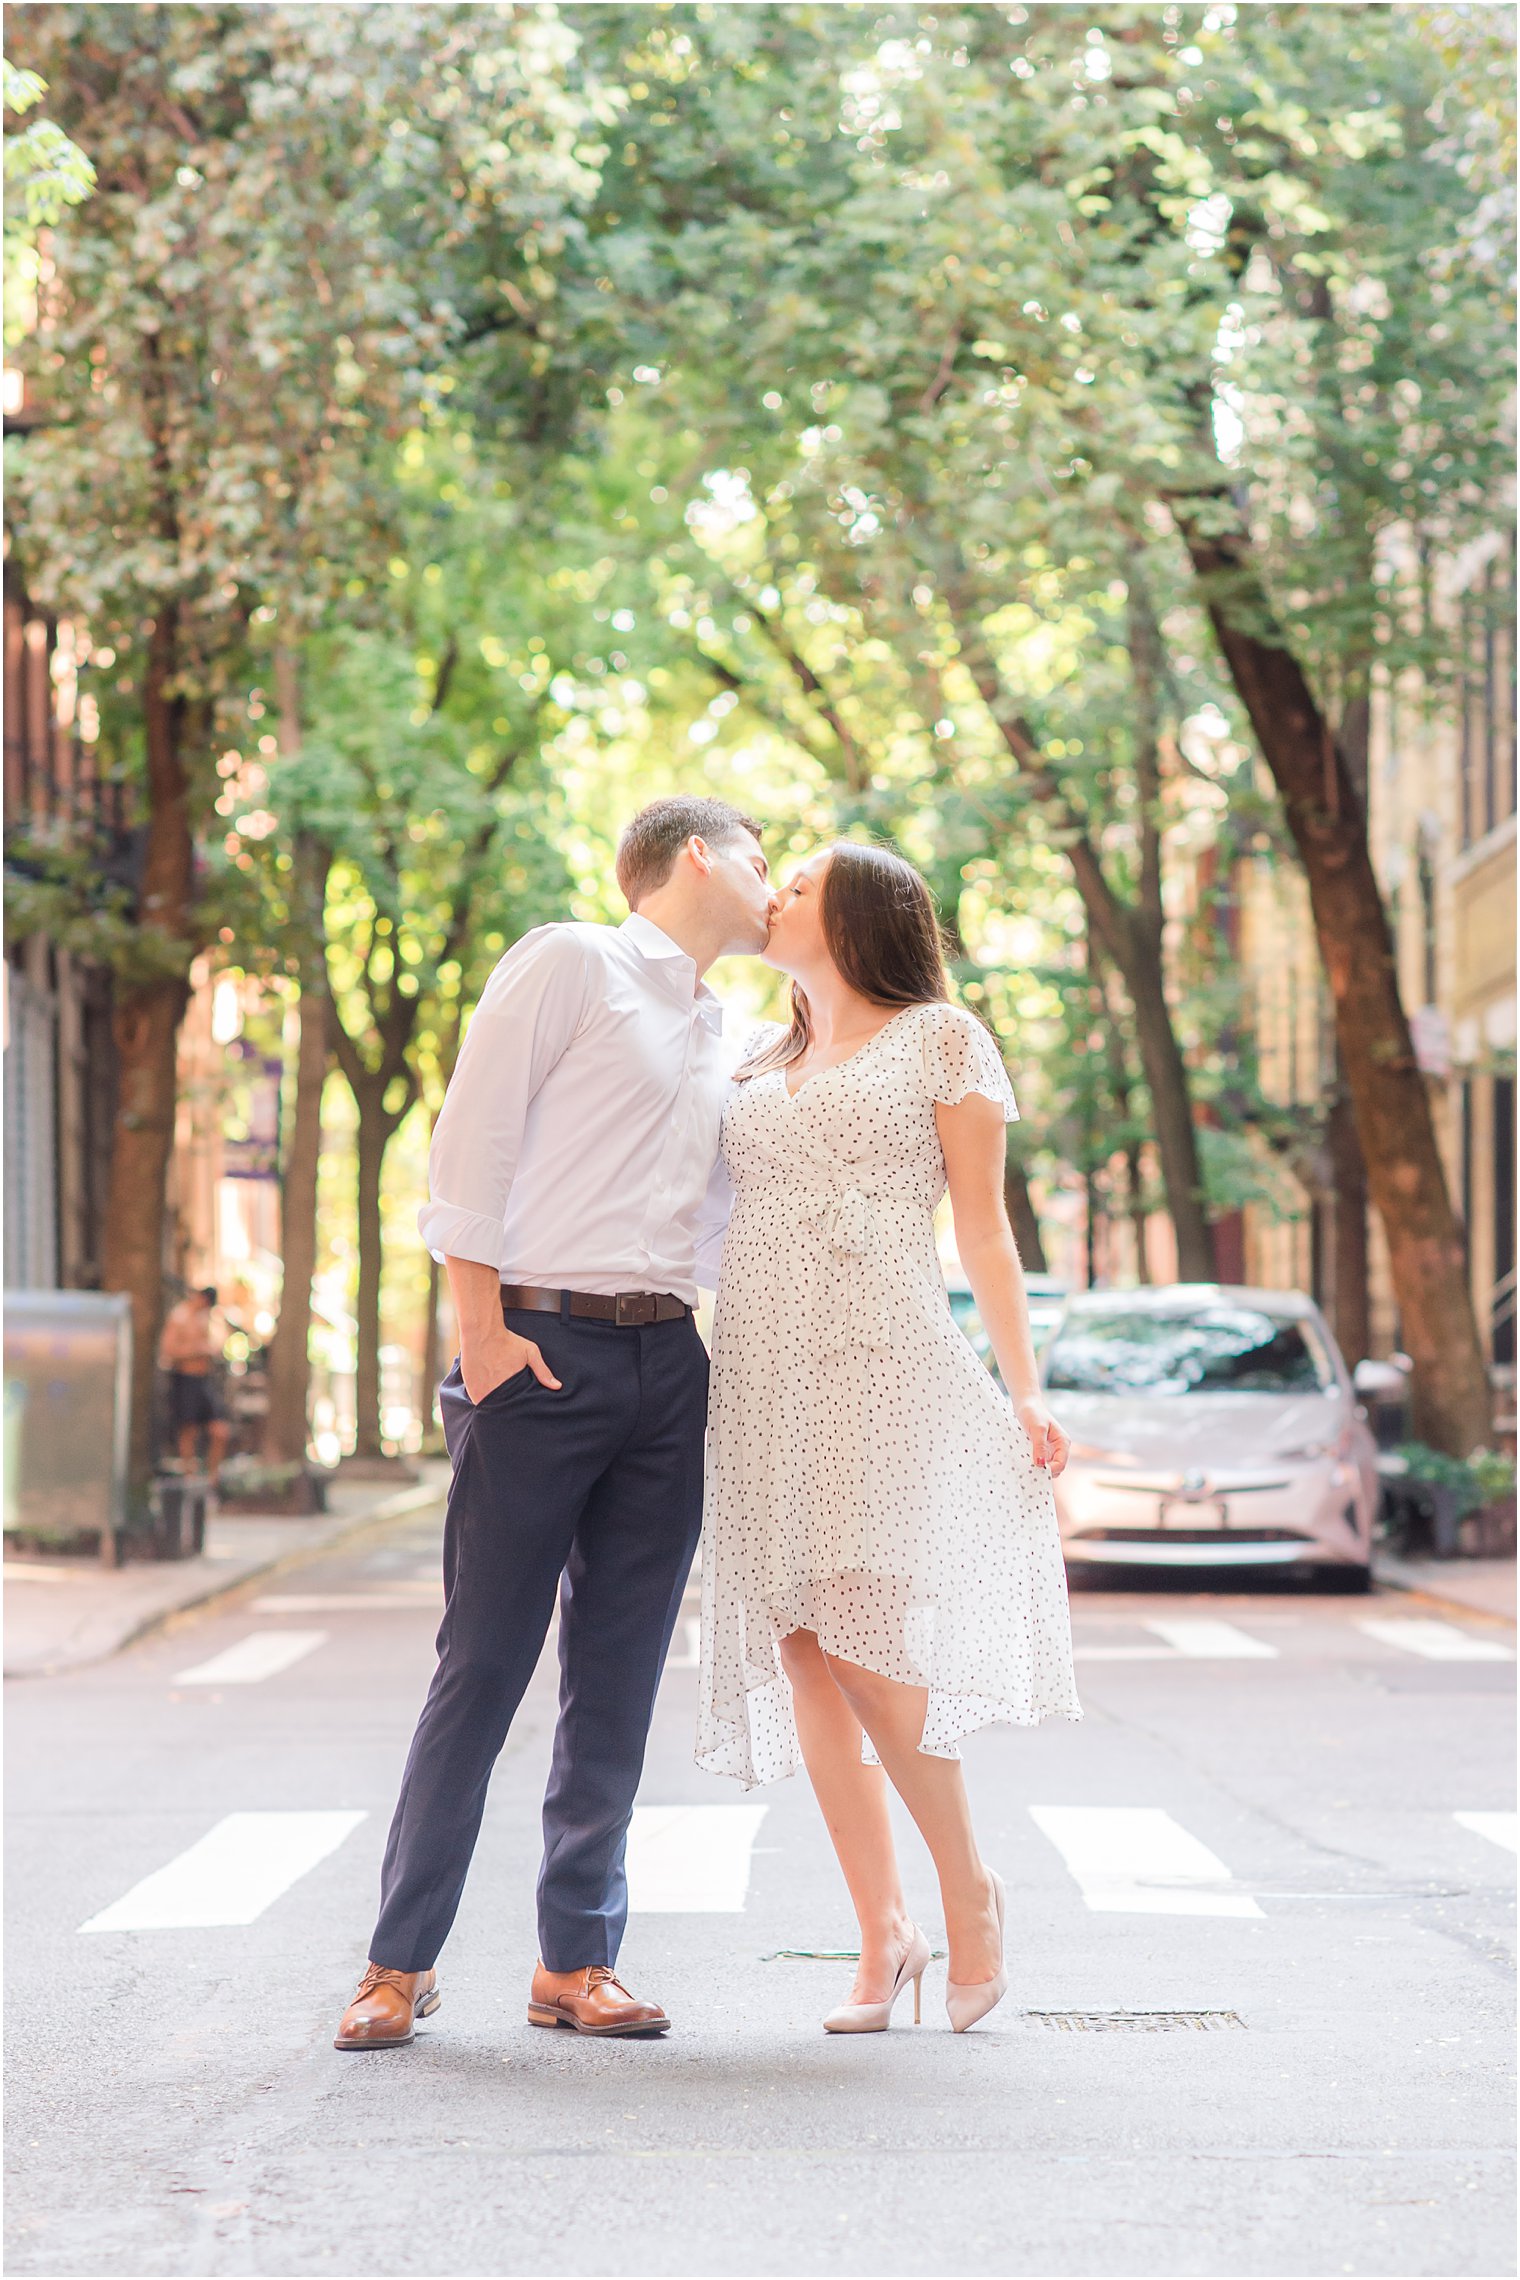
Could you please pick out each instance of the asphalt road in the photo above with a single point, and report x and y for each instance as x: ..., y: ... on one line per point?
x: 1259, y: 2020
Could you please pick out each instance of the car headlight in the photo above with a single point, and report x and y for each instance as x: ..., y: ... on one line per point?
x: 1339, y: 1447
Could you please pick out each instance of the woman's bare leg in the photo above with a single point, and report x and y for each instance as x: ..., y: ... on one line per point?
x: 853, y: 1800
x: 934, y: 1791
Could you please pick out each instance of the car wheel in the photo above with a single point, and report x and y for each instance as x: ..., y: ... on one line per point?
x: 1349, y: 1581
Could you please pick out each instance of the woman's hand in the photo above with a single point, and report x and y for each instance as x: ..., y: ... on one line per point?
x: 1047, y: 1439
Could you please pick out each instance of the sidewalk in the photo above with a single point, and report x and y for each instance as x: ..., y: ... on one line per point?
x: 1471, y: 1587
x: 61, y: 1614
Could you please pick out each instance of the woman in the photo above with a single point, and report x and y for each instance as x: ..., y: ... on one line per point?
x: 881, y: 1570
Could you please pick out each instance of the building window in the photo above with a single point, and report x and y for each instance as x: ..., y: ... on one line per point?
x: 1503, y: 1313
x: 1490, y: 704
x: 1466, y: 1105
x: 1468, y: 724
x: 1504, y: 634
x: 1486, y: 698
x: 1425, y: 872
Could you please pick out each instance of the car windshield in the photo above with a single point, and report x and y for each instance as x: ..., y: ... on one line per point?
x: 1212, y: 1349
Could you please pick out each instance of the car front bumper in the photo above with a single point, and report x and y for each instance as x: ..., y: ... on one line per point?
x: 1221, y: 1551
x: 1315, y: 1514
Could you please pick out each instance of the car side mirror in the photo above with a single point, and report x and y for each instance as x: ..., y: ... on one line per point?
x: 1377, y: 1378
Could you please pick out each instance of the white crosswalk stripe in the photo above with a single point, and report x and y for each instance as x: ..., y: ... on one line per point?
x: 1205, y: 1640
x: 263, y: 1654
x: 1499, y: 1828
x: 1136, y: 1860
x: 1126, y: 1654
x: 231, y: 1875
x: 380, y: 1599
x: 691, y: 1860
x: 1438, y: 1642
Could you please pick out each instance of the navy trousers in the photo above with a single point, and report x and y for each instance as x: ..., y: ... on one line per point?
x: 594, y: 1492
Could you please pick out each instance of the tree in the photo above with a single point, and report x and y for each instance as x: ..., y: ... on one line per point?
x: 419, y: 778
x: 286, y: 1423
x: 801, y: 351
x: 1054, y: 254
x: 45, y: 174
x: 1373, y: 272
x: 234, y: 324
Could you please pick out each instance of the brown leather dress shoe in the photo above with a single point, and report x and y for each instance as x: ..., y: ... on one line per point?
x: 381, y: 2013
x: 592, y: 2002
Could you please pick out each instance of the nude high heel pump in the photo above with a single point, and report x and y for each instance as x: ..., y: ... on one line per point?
x: 873, y: 2018
x: 968, y: 2004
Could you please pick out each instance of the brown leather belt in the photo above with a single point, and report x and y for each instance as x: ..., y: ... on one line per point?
x: 630, y: 1309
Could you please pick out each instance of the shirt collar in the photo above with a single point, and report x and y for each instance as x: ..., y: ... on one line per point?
x: 653, y: 942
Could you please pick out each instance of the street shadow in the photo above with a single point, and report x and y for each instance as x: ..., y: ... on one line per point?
x: 1090, y: 1577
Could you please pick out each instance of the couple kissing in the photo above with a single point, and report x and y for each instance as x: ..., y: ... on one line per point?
x: 881, y: 1567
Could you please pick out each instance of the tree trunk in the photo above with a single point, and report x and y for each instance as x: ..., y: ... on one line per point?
x: 1350, y: 1310
x: 145, y: 1026
x: 1021, y: 1217
x: 373, y: 1137
x: 427, y: 1392
x: 1133, y: 943
x: 1346, y: 1251
x: 1118, y: 1084
x: 285, y: 1429
x: 449, y: 1037
x: 1171, y: 1112
x: 1452, y: 1402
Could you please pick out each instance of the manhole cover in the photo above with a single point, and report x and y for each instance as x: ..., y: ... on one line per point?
x: 1134, y: 2022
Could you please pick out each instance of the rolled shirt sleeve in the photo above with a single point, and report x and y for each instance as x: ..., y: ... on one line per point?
x: 528, y: 1013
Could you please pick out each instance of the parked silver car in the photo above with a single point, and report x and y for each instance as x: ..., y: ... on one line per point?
x: 1212, y: 1426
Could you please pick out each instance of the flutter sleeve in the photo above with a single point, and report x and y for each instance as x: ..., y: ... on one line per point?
x: 754, y: 1039
x: 960, y: 1057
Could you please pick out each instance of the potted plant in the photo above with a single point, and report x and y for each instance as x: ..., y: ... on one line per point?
x: 1489, y: 1531
x: 1433, y: 1493
x: 283, y: 1491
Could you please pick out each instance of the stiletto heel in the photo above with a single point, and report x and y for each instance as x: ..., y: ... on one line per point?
x: 967, y: 2004
x: 874, y: 2018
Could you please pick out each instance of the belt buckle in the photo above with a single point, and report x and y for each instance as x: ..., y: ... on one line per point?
x: 634, y: 1308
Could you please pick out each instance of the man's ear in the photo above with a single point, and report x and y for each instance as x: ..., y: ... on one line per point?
x: 697, y: 848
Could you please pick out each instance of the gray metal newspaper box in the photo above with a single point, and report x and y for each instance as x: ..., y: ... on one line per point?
x: 68, y: 1394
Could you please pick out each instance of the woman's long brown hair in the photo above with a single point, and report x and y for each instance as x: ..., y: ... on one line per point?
x: 883, y: 934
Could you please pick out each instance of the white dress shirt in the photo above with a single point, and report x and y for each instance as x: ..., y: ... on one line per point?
x: 578, y: 1144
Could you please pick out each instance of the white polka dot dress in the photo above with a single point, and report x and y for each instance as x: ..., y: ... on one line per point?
x: 867, y: 1478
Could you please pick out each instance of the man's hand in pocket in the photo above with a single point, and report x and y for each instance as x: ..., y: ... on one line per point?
x: 489, y: 1360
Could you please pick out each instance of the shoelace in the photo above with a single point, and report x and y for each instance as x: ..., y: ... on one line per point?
x: 381, y: 1975
x: 602, y: 1975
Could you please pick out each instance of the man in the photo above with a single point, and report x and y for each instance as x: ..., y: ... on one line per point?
x: 572, y: 1181
x: 186, y: 1354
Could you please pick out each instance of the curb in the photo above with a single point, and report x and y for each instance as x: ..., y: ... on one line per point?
x: 216, y: 1591
x: 1437, y: 1598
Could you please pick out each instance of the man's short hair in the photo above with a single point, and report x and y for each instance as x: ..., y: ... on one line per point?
x: 649, y: 846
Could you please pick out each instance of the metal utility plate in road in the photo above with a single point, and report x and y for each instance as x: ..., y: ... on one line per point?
x: 1194, y: 1512
x: 1133, y: 2022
